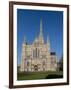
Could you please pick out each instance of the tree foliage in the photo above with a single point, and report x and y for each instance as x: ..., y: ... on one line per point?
x: 60, y: 64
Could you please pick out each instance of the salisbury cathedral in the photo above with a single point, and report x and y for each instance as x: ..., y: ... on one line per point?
x: 38, y: 56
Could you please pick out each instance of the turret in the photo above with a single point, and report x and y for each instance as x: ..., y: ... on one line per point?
x: 48, y: 42
x: 24, y: 42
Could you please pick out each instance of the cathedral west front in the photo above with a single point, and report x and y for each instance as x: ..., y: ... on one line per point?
x: 38, y: 56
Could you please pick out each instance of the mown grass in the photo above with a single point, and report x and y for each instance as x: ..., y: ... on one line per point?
x: 38, y: 75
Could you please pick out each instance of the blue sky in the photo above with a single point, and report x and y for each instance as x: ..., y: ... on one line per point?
x: 28, y: 25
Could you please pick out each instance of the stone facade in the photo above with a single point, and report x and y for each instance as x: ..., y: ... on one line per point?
x: 37, y: 56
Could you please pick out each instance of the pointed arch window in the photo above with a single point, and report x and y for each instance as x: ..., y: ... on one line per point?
x: 36, y: 53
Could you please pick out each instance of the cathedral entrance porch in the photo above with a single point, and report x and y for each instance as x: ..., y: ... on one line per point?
x: 35, y: 67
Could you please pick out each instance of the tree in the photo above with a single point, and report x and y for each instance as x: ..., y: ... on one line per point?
x: 61, y: 64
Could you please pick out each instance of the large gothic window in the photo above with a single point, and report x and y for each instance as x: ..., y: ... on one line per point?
x: 36, y: 53
x: 33, y: 53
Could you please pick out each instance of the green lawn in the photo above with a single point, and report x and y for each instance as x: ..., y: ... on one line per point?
x: 38, y: 75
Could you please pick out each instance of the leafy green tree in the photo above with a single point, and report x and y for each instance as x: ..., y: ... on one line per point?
x: 61, y: 64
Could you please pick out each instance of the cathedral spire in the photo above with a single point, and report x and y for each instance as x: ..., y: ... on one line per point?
x: 41, y: 33
x: 48, y: 41
x: 41, y: 27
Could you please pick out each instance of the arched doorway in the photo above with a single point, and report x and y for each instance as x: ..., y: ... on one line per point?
x: 36, y: 68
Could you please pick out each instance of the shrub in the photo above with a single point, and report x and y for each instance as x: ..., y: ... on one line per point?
x: 53, y: 76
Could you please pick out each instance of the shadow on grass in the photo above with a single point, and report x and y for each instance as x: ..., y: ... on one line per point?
x: 25, y: 73
x: 53, y: 76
